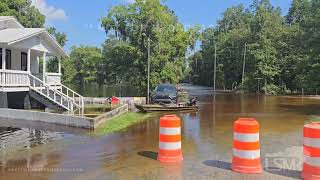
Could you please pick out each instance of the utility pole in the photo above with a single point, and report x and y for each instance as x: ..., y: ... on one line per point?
x: 215, y: 67
x: 244, y: 63
x: 258, y: 84
x: 148, y: 99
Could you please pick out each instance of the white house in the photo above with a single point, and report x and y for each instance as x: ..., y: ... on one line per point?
x: 21, y: 51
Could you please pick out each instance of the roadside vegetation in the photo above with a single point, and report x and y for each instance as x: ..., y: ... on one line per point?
x: 313, y: 119
x: 121, y: 122
x: 281, y: 49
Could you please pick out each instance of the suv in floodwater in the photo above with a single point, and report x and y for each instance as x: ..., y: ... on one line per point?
x: 164, y: 93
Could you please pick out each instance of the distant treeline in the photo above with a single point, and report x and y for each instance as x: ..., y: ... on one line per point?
x: 282, y: 51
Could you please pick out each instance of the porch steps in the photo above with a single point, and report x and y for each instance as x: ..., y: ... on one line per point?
x: 45, y: 101
x: 58, y: 97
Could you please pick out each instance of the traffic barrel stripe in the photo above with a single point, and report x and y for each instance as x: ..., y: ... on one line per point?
x: 170, y: 138
x: 310, y: 151
x: 311, y: 142
x: 170, y: 131
x: 246, y: 162
x: 313, y: 171
x: 246, y: 137
x: 246, y: 145
x: 170, y: 146
x: 171, y: 153
x: 252, y: 154
x: 312, y: 130
x: 313, y: 161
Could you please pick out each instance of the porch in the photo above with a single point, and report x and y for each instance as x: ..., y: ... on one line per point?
x: 18, y: 65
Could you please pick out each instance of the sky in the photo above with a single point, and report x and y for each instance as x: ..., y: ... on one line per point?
x: 79, y: 19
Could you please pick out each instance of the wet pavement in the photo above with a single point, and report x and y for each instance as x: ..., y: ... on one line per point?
x: 131, y: 154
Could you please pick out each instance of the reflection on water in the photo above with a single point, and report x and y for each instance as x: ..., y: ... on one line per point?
x: 21, y: 137
x: 207, y: 142
x: 94, y: 90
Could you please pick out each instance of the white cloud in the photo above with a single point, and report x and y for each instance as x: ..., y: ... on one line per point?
x: 130, y: 1
x: 52, y: 13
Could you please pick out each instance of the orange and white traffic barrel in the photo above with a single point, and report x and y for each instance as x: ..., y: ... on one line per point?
x: 170, y: 139
x: 311, y: 151
x: 246, y: 146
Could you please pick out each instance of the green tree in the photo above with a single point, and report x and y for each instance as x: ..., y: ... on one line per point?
x: 27, y: 15
x: 134, y: 24
x: 121, y: 64
x: 61, y: 38
x: 83, y: 60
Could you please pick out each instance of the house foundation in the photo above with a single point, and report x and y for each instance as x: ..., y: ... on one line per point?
x: 3, y: 100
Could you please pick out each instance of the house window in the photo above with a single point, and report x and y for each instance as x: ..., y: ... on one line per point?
x: 24, y: 61
x: 8, y: 58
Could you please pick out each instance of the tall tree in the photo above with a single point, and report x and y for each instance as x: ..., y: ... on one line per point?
x: 84, y: 60
x: 151, y: 22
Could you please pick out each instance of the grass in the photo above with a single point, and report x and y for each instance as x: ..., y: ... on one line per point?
x: 121, y: 123
x: 313, y: 119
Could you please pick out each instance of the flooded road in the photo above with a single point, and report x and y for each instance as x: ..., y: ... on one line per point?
x: 207, y: 144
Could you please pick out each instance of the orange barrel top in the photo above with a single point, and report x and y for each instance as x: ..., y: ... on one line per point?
x: 246, y: 125
x: 312, y: 130
x: 170, y: 121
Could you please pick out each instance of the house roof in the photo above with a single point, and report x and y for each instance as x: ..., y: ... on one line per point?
x: 11, y: 36
x: 11, y: 18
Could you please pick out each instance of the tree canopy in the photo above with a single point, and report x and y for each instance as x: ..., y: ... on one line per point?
x: 280, y: 50
x: 130, y: 29
x: 28, y: 15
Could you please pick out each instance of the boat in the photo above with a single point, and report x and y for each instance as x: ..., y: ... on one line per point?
x: 164, y: 108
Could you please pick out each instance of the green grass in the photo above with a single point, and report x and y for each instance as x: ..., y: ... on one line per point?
x: 313, y: 119
x: 121, y: 123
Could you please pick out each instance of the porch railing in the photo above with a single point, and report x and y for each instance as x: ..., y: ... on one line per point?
x: 77, y: 99
x: 13, y: 78
x: 53, y: 78
x: 51, y: 93
x: 55, y: 90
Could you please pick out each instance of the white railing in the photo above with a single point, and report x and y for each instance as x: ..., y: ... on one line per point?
x: 77, y: 99
x: 14, y: 78
x: 53, y: 78
x: 51, y: 93
x: 54, y: 91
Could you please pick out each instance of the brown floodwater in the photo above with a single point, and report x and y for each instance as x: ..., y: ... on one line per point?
x: 54, y: 152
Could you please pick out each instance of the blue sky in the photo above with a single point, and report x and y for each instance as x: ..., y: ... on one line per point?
x: 79, y: 19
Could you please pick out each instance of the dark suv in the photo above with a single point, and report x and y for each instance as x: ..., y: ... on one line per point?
x: 164, y: 93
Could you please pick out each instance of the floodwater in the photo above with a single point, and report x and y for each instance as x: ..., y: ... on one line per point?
x: 207, y: 144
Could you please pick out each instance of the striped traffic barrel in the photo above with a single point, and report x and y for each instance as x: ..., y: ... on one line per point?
x: 246, y: 146
x: 311, y: 151
x: 170, y: 139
